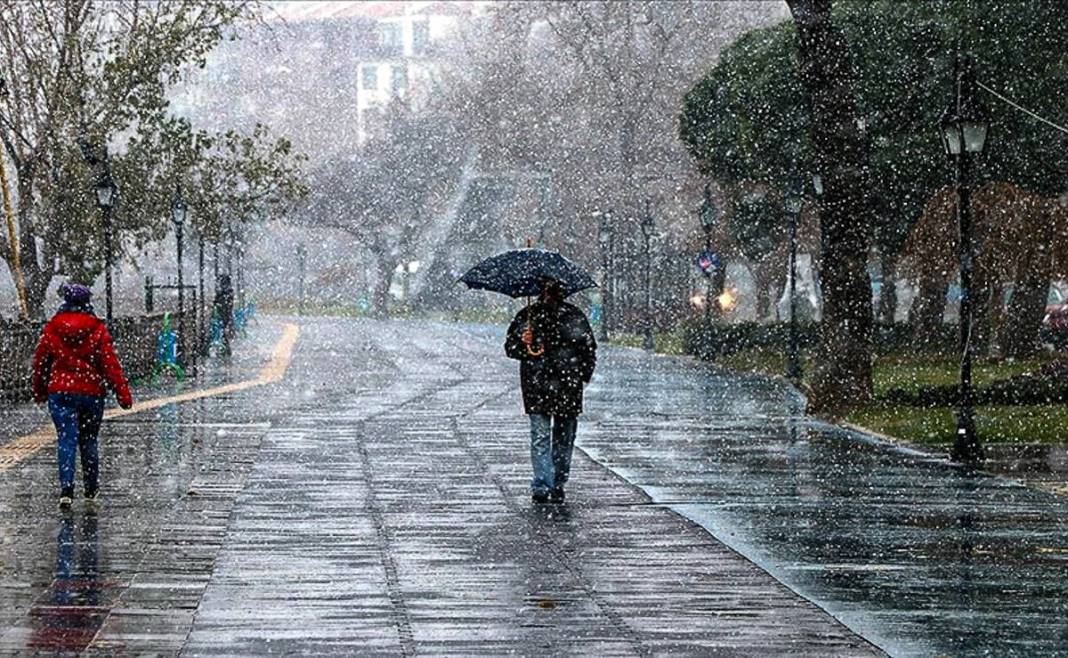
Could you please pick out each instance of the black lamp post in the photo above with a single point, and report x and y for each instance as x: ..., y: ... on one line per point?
x: 302, y: 255
x: 605, y: 237
x: 964, y: 127
x: 708, y: 214
x: 202, y: 322
x: 106, y: 194
x: 179, y: 213
x: 792, y: 204
x: 648, y: 225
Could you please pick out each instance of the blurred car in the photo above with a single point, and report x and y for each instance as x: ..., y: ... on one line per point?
x: 1056, y: 316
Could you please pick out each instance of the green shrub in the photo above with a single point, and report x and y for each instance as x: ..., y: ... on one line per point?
x: 709, y: 341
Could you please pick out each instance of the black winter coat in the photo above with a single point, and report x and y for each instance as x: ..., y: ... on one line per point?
x: 553, y: 382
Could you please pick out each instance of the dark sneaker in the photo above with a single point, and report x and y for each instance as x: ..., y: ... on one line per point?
x: 92, y: 497
x: 65, y: 502
x: 539, y: 498
x: 556, y: 496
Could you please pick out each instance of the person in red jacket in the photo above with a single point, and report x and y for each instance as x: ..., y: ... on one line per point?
x: 74, y: 361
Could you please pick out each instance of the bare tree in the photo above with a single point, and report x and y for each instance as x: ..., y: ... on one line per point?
x: 89, y: 72
x: 588, y: 93
x: 385, y: 196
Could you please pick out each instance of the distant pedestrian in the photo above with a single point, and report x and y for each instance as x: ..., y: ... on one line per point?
x: 74, y: 361
x: 223, y: 309
x: 557, y: 352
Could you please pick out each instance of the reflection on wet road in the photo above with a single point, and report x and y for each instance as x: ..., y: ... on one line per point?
x: 376, y: 501
x: 919, y: 556
x: 71, y: 611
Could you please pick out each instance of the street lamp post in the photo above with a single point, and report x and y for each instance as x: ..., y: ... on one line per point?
x: 302, y: 254
x: 964, y: 127
x: 106, y: 192
x: 648, y: 226
x: 792, y: 204
x: 605, y: 236
x: 708, y: 214
x: 202, y: 322
x: 179, y: 213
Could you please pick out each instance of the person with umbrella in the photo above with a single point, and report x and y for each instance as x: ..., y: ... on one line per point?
x: 557, y: 352
x: 556, y: 349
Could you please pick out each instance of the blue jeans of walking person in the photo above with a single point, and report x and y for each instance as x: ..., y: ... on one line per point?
x: 552, y: 439
x: 77, y: 419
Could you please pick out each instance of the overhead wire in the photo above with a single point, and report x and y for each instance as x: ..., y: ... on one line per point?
x: 1023, y: 109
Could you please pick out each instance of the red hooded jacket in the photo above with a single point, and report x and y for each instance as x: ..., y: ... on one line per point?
x: 76, y: 356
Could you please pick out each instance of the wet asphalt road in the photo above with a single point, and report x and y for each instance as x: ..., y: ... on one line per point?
x: 375, y: 502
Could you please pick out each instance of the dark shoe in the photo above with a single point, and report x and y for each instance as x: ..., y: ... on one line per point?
x: 556, y: 496
x: 92, y: 497
x: 65, y: 502
x: 539, y: 498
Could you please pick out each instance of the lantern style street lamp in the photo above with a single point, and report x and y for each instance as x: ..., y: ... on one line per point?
x: 648, y: 225
x: 179, y: 214
x: 106, y: 195
x: 964, y: 128
x: 793, y: 204
x: 817, y: 184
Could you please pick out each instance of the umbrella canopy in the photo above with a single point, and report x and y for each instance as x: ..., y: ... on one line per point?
x: 516, y: 273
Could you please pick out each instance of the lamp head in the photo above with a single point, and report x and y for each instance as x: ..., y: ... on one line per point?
x: 179, y: 208
x: 106, y: 191
x: 794, y: 201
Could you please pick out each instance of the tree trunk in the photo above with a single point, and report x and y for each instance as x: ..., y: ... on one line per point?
x: 842, y: 376
x: 380, y: 288
x: 1018, y: 337
x: 888, y: 293
x: 37, y: 269
x: 928, y: 307
x: 763, y: 300
x: 984, y: 299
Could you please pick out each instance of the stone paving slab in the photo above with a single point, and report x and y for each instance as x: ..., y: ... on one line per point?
x: 374, y: 503
x: 399, y: 517
x: 920, y: 556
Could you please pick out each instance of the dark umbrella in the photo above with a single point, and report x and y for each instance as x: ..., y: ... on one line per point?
x: 516, y: 273
x: 519, y: 272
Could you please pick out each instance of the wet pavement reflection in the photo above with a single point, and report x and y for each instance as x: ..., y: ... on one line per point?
x: 127, y: 572
x: 377, y: 501
x: 71, y: 611
x: 914, y: 553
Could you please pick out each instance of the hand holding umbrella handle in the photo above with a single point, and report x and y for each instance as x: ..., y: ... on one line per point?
x: 528, y: 340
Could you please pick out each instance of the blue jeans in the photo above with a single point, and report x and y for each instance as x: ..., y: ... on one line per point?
x: 552, y: 439
x: 77, y: 419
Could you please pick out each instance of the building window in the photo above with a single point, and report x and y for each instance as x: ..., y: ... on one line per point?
x: 370, y: 77
x: 420, y: 37
x: 390, y: 37
x: 400, y: 77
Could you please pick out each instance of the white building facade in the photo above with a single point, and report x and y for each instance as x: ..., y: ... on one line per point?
x: 408, y: 61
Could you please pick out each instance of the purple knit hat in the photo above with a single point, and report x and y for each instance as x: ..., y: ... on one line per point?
x: 75, y: 293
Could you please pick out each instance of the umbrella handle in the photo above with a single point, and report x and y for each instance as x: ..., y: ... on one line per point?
x: 530, y: 349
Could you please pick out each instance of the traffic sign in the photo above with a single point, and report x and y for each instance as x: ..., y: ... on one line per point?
x: 708, y: 262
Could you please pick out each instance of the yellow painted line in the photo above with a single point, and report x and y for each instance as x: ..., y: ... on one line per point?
x: 25, y: 447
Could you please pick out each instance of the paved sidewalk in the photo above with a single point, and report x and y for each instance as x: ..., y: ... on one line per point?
x: 916, y: 554
x: 373, y: 502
